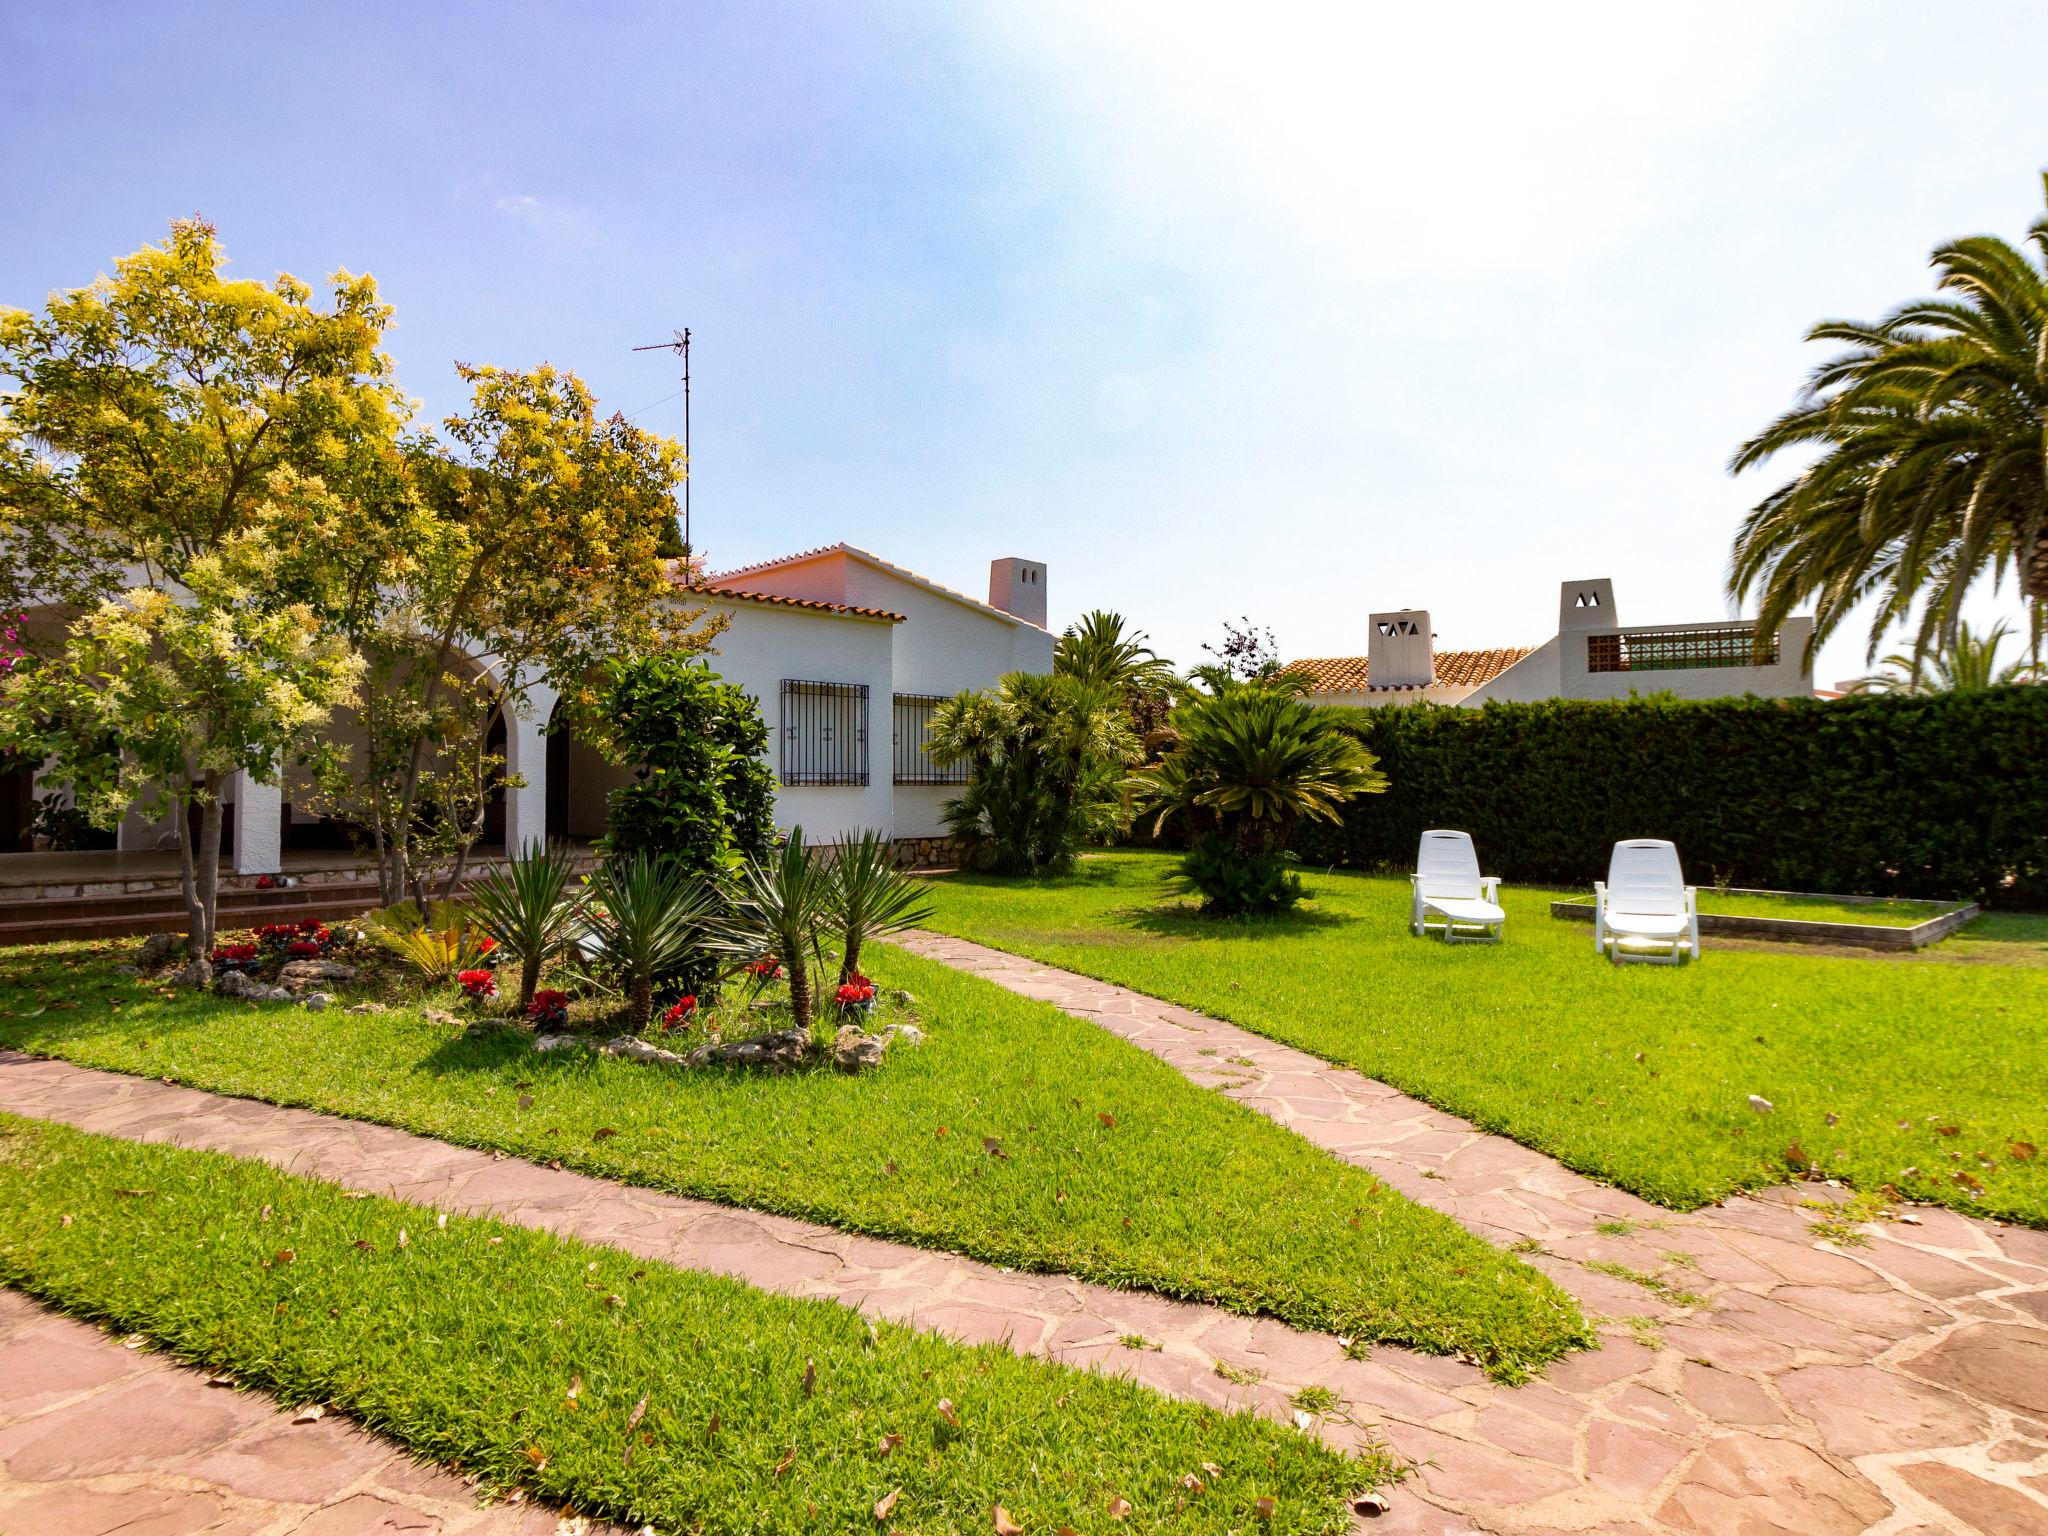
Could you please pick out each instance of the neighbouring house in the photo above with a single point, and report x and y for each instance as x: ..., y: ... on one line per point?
x: 1592, y: 656
x: 846, y: 652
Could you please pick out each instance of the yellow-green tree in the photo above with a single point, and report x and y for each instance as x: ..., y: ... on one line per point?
x: 167, y: 432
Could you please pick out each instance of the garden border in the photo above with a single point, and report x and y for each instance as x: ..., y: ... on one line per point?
x: 1806, y: 931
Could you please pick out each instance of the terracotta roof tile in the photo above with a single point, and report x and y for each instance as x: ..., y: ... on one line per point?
x: 1454, y: 669
x: 812, y: 604
x: 718, y: 579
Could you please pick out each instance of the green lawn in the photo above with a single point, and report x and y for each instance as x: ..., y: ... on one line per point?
x: 625, y: 1388
x: 1015, y: 1134
x: 1925, y: 1072
x: 1890, y: 913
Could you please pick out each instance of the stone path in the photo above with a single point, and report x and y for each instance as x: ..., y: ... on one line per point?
x: 98, y: 1439
x: 1895, y: 1387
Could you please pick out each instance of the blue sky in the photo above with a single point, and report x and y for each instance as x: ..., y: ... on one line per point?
x: 1293, y: 312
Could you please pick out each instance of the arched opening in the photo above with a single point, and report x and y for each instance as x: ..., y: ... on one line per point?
x: 580, y: 782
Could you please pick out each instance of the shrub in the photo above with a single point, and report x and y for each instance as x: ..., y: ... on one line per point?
x: 702, y: 793
x: 448, y: 942
x: 1045, y: 758
x: 1939, y: 796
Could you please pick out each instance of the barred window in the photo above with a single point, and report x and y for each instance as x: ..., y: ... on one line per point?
x: 824, y: 732
x: 1676, y: 650
x: 912, y: 732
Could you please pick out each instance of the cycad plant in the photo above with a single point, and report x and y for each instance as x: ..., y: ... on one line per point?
x: 449, y: 941
x: 533, y: 908
x: 1928, y: 428
x: 871, y: 898
x: 643, y: 918
x: 1252, y: 762
x: 781, y: 910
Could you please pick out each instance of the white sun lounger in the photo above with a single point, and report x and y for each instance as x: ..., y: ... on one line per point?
x: 1644, y: 910
x: 1451, y: 896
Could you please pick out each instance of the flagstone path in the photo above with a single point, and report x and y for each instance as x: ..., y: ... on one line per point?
x: 1898, y: 1387
x: 98, y: 1439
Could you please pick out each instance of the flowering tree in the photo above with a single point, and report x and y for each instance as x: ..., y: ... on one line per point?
x: 163, y: 699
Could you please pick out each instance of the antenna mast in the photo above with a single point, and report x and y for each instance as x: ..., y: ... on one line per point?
x: 681, y: 346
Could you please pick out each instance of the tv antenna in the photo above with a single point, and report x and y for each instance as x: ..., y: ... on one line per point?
x: 680, y: 345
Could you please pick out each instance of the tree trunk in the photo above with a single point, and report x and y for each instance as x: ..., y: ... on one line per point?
x: 207, y: 874
x: 188, y: 882
x: 639, y: 1005
x: 529, y: 979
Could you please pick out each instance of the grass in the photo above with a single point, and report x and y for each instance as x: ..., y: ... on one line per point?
x: 1924, y: 1075
x: 623, y: 1388
x: 1892, y: 912
x: 1015, y: 1134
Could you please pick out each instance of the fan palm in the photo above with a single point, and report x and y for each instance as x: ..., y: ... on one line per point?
x: 1929, y: 427
x: 871, y: 898
x: 532, y: 909
x: 1101, y: 648
x: 1969, y: 662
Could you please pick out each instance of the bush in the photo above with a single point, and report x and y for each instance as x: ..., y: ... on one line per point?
x: 1939, y: 796
x: 703, y: 794
x: 1234, y: 883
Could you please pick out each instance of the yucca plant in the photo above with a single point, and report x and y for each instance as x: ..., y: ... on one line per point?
x: 782, y: 908
x: 871, y: 898
x: 533, y: 908
x: 642, y: 917
x: 449, y: 941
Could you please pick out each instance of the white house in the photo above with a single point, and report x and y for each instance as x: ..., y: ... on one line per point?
x: 847, y: 654
x: 1592, y: 656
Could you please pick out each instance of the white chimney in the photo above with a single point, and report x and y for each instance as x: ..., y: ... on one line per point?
x: 1402, y: 651
x: 1018, y: 588
x: 1583, y: 605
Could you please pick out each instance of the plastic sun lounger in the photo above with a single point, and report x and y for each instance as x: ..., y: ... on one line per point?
x: 1451, y: 896
x: 1644, y: 910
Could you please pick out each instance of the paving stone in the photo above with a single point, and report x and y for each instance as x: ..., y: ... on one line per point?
x: 1862, y: 1409
x: 71, y: 1509
x: 2004, y: 1365
x: 142, y: 1424
x: 295, y: 1463
x: 1986, y: 1507
x: 1746, y: 1485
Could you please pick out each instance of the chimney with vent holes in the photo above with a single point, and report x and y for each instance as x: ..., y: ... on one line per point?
x: 1583, y: 605
x: 1018, y: 588
x: 1401, y: 652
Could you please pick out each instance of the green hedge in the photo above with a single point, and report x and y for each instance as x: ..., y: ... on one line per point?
x: 1941, y: 796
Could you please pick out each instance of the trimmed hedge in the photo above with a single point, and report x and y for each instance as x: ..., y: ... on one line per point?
x: 1938, y: 796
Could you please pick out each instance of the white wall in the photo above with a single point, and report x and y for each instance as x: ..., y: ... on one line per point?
x: 760, y: 647
x: 1790, y: 678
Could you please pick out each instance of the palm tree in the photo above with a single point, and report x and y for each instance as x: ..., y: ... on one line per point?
x: 1101, y: 648
x: 1930, y: 472
x: 870, y: 898
x: 1969, y: 662
x: 642, y: 918
x: 784, y: 902
x: 532, y: 910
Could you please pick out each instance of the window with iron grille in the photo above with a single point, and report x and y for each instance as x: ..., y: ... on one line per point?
x: 824, y: 732
x: 913, y: 725
x: 1676, y: 650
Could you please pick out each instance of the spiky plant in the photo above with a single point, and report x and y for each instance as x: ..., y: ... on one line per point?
x: 1252, y: 762
x: 1968, y: 662
x: 871, y: 898
x: 1930, y: 471
x: 642, y: 917
x: 533, y: 908
x: 781, y: 910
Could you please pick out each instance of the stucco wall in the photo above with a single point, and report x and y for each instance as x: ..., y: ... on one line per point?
x: 1790, y: 678
x: 760, y: 647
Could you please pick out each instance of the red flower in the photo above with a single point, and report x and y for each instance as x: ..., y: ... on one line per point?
x: 767, y: 968
x: 549, y: 1007
x: 679, y: 1015
x: 479, y: 984
x: 485, y: 946
x: 303, y: 949
x: 854, y: 994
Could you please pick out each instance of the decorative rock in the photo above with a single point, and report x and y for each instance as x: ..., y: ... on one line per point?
x: 299, y: 972
x: 855, y: 1050
x: 439, y: 1016
x: 909, y: 1034
x: 159, y: 949
x: 314, y: 1002
x: 235, y: 984
x: 197, y: 974
x: 127, y: 970
x: 903, y: 998
x: 546, y: 1043
x: 367, y: 1008
x: 777, y: 1050
x: 641, y: 1050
